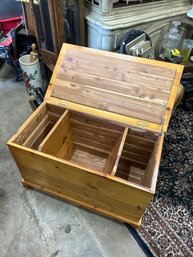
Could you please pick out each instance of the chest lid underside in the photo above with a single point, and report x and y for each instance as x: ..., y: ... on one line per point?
x: 132, y: 90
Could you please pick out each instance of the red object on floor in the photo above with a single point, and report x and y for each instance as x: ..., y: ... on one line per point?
x: 8, y: 24
x: 5, y: 41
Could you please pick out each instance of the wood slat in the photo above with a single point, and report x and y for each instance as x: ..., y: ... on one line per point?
x: 136, y: 156
x: 125, y: 104
x: 152, y: 169
x: 28, y: 128
x: 155, y: 69
x: 53, y: 117
x: 112, y: 158
x: 136, y: 89
x: 144, y: 134
x: 93, y: 144
x: 137, y: 149
x: 95, y: 122
x: 94, y: 136
x: 40, y: 137
x: 140, y: 142
x: 88, y: 157
x: 110, y: 101
x: 114, y: 84
x: 95, y: 129
x: 116, y: 67
x: 119, y: 152
x: 37, y: 131
x: 136, y: 175
x: 133, y: 159
x: 128, y: 163
x: 57, y: 110
x: 126, y: 169
x: 40, y: 122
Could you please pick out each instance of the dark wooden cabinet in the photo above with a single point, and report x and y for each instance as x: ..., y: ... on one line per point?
x: 46, y: 19
x: 49, y: 31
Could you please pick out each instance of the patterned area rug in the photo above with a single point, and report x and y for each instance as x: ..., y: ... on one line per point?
x: 167, y: 226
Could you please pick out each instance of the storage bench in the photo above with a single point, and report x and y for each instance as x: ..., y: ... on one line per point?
x: 93, y: 148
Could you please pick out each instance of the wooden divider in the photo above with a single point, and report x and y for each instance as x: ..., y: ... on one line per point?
x: 55, y: 138
x: 138, y: 157
x: 114, y: 157
x: 65, y: 150
x: 152, y: 168
x: 33, y: 132
x: 72, y: 131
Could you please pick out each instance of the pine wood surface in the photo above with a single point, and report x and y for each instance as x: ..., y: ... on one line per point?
x: 118, y: 152
x: 97, y: 190
x: 152, y: 169
x: 115, y: 165
x: 55, y: 137
x: 137, y: 90
x: 79, y: 203
x: 91, y: 142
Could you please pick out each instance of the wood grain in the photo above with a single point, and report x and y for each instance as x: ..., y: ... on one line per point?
x: 114, y: 84
x: 95, y: 121
x: 96, y: 189
x: 112, y: 158
x: 88, y: 157
x: 57, y: 135
x: 30, y: 125
x: 110, y: 101
x: 65, y: 150
x: 80, y: 203
x: 136, y: 175
x: 39, y: 128
x: 40, y: 137
x: 152, y: 169
x: 151, y: 73
x: 119, y: 151
x: 117, y: 70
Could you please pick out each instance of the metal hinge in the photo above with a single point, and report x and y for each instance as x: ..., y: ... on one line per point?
x: 63, y: 103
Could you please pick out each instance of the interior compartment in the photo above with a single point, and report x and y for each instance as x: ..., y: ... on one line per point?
x: 137, y: 162
x: 85, y: 140
x: 128, y: 153
x: 46, y: 116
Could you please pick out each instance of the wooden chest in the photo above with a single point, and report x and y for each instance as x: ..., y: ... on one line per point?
x: 97, y: 139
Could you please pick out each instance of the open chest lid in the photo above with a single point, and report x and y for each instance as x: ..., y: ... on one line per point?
x: 130, y: 90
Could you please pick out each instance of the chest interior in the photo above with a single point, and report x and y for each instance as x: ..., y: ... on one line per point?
x: 92, y: 143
